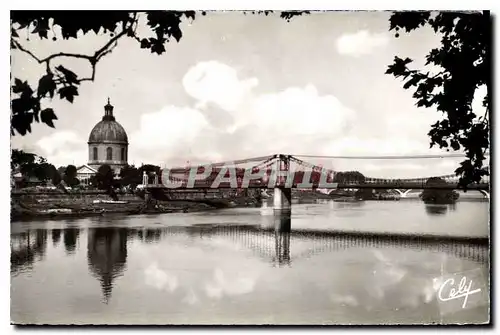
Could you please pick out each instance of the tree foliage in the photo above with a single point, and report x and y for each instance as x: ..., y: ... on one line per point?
x: 463, y: 61
x: 104, y: 178
x: 70, y: 176
x: 365, y: 194
x: 436, y: 195
x: 34, y: 166
x: 349, y: 177
x: 130, y: 175
x: 31, y: 100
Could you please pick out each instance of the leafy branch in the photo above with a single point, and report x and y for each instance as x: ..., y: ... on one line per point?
x: 465, y: 62
x: 27, y: 100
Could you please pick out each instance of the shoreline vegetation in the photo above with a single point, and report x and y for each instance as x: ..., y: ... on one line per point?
x: 33, y: 205
x: 30, y: 204
x: 438, y: 197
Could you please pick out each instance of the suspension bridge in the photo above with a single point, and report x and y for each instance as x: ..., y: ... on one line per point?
x: 305, y: 175
x: 285, y: 172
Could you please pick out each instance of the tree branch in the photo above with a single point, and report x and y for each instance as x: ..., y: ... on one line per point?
x: 104, y: 50
x: 20, y: 47
x: 65, y: 54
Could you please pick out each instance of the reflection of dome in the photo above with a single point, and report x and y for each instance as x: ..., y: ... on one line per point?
x: 107, y: 255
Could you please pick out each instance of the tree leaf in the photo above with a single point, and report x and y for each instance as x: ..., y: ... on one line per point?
x: 69, y: 75
x: 158, y: 47
x: 48, y: 116
x: 176, y: 33
x: 20, y: 86
x: 68, y: 93
x: 145, y: 43
x: 46, y: 85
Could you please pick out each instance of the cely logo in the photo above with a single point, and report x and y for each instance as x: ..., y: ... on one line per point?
x: 461, y: 291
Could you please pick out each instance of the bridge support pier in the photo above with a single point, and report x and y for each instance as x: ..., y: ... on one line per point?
x: 283, y: 223
x: 282, y: 201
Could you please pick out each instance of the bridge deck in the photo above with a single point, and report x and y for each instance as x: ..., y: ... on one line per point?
x: 420, y: 186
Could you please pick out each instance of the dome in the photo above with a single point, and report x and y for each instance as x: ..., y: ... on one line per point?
x: 108, y: 130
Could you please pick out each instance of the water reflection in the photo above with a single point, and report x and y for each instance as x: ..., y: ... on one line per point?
x: 245, y: 266
x: 270, y: 243
x: 107, y: 247
x: 107, y: 255
x: 436, y: 209
x: 432, y: 209
x: 56, y: 236
x: 26, y: 248
x: 341, y: 204
x: 71, y: 239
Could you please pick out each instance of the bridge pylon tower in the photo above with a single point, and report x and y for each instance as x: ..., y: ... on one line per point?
x: 282, y: 198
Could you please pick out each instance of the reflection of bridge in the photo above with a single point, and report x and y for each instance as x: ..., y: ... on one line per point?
x: 275, y: 244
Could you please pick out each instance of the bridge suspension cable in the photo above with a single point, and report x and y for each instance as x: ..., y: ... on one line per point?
x: 434, y: 156
x: 230, y: 163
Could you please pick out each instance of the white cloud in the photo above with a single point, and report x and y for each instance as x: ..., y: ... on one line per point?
x: 228, y: 121
x: 191, y: 298
x: 218, y: 83
x: 62, y: 148
x: 230, y: 284
x: 160, y: 279
x: 233, y: 123
x: 360, y: 43
x: 302, y: 111
x: 166, y: 132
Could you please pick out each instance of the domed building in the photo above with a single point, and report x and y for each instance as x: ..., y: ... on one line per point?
x: 108, y: 142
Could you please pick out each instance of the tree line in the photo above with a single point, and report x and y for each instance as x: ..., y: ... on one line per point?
x: 36, y: 168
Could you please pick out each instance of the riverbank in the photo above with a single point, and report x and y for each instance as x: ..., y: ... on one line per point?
x: 57, y: 205
x: 54, y: 206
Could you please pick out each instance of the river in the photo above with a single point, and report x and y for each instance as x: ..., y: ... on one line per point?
x: 226, y: 267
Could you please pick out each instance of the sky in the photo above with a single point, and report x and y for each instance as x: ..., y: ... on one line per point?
x: 239, y: 86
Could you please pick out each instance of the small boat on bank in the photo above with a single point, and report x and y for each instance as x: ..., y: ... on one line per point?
x: 56, y: 211
x: 99, y: 201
